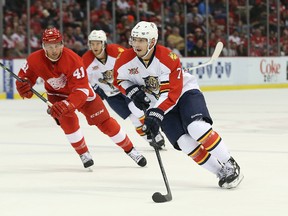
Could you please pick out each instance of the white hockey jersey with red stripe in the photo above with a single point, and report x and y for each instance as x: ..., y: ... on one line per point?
x: 162, y: 79
x: 102, y: 74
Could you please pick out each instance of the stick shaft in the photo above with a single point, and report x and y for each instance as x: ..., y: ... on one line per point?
x: 160, y: 162
x: 162, y: 168
x: 215, y: 55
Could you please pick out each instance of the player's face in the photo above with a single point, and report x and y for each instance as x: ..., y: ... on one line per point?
x: 140, y: 46
x: 96, y: 47
x: 53, y: 50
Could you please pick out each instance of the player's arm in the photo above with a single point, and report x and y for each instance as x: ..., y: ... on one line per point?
x: 171, y: 84
x: 80, y: 89
x: 79, y: 86
x: 29, y: 79
x: 170, y: 91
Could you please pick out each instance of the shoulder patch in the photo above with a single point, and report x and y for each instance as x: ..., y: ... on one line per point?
x: 120, y: 49
x: 173, y: 56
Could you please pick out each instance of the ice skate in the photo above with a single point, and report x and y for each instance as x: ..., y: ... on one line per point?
x: 87, y: 159
x: 137, y: 157
x: 159, y: 139
x: 230, y: 175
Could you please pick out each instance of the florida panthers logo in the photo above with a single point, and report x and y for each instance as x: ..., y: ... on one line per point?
x: 151, y: 83
x: 152, y: 86
x: 107, y: 78
x: 58, y: 83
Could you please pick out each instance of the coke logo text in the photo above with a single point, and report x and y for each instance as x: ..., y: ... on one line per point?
x: 269, y: 67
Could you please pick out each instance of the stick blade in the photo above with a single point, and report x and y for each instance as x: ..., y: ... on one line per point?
x: 217, y: 51
x: 159, y: 198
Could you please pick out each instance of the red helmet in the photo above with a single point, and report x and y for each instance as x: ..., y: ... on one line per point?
x: 51, y: 35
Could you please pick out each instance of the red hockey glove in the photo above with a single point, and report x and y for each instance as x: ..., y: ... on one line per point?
x: 61, y: 108
x: 24, y: 88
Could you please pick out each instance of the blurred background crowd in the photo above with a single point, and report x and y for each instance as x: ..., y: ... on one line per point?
x: 188, y: 27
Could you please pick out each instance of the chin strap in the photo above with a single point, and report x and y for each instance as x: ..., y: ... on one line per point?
x: 103, y: 49
x: 148, y: 50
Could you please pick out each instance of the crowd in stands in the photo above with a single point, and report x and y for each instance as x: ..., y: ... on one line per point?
x: 193, y: 42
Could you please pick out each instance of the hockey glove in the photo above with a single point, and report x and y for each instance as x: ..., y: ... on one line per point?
x: 99, y: 91
x: 61, y: 108
x: 138, y: 96
x: 49, y: 112
x: 157, y: 141
x: 24, y: 88
x: 152, y: 121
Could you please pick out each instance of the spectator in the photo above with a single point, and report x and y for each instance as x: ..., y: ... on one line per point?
x: 78, y: 13
x: 79, y: 48
x: 194, y: 13
x: 176, y: 40
x: 19, y: 34
x: 257, y: 43
x: 198, y: 50
x: 8, y: 42
x: 69, y: 38
x: 78, y: 35
x: 122, y: 6
x: 46, y: 13
x: 235, y: 38
x: 230, y: 50
x: 172, y: 47
x: 34, y: 41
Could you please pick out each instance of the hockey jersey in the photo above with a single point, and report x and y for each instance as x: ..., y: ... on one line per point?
x: 102, y: 74
x: 162, y: 79
x: 67, y: 77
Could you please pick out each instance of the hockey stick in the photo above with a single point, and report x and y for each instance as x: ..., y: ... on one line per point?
x: 157, y: 196
x: 215, y: 55
x: 33, y: 90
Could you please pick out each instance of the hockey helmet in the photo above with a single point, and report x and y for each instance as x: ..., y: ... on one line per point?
x: 146, y: 30
x: 52, y: 35
x: 97, y: 35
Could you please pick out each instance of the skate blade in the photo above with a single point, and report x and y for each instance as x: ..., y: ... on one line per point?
x: 235, y: 183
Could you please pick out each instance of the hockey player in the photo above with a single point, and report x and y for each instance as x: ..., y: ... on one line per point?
x: 68, y: 89
x: 152, y: 77
x: 99, y: 62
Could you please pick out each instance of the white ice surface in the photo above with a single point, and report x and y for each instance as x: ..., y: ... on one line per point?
x: 41, y: 175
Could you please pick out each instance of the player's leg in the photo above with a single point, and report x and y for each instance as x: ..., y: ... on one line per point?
x: 174, y: 131
x: 199, y: 154
x: 97, y: 114
x: 71, y: 128
x: 198, y: 122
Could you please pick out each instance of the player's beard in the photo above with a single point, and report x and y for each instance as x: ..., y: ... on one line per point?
x: 54, y: 56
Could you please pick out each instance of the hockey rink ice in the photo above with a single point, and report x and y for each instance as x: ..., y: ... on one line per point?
x: 41, y: 175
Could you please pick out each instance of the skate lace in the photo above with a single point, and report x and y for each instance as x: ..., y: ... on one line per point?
x: 228, y: 169
x: 225, y: 171
x: 85, y: 157
x: 136, y: 156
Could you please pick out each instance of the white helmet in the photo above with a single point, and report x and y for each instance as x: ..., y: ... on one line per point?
x: 98, y: 35
x: 146, y: 30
